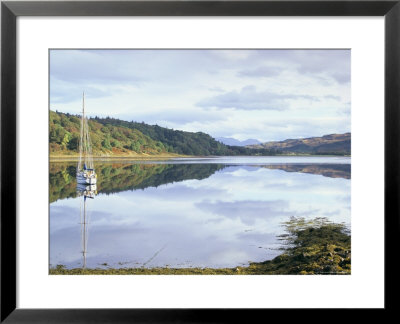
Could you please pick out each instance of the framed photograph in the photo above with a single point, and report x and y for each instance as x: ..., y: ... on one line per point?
x: 160, y: 159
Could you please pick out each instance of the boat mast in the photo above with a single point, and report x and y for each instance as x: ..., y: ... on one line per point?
x: 85, y: 133
x: 85, y: 145
x: 81, y: 134
x: 88, y: 144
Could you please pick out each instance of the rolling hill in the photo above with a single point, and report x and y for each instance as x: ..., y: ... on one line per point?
x: 110, y: 136
x: 235, y: 142
x: 115, y: 137
x: 338, y: 144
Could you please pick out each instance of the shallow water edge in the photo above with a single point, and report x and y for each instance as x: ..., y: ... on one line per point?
x: 312, y: 247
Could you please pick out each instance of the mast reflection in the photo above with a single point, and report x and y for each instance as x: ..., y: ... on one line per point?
x: 86, y: 192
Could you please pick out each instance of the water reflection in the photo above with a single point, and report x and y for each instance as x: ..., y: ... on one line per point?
x: 326, y: 170
x: 183, y: 215
x: 117, y: 177
x: 85, y: 192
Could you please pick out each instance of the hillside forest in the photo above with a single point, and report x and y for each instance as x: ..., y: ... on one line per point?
x: 111, y: 136
x: 115, y: 137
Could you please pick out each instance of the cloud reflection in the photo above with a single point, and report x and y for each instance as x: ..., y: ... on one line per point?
x: 228, y: 218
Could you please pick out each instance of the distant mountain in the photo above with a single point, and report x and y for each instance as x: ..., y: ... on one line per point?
x: 339, y: 144
x: 234, y: 142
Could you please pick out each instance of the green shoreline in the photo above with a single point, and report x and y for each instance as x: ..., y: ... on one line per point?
x: 312, y: 247
x: 74, y: 158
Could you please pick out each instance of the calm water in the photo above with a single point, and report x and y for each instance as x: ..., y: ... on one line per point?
x: 214, y: 212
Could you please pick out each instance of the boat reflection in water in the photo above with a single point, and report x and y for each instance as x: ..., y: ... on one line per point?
x: 86, y: 193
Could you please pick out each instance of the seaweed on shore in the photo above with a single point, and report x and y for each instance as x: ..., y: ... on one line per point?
x: 315, y: 246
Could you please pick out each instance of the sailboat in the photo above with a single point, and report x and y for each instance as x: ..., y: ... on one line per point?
x: 85, y: 173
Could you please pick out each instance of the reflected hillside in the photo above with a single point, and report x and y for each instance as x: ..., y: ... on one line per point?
x: 117, y: 177
x: 326, y: 170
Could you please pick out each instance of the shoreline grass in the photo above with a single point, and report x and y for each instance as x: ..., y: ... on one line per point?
x: 158, y: 157
x: 144, y: 157
x: 309, y: 247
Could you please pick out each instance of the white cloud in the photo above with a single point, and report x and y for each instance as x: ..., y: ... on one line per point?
x: 262, y: 94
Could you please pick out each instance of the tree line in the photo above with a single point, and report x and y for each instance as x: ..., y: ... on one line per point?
x: 115, y: 136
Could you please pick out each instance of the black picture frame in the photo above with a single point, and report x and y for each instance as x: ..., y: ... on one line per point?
x: 10, y: 10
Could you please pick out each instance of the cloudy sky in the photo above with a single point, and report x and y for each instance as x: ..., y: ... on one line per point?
x: 260, y: 94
